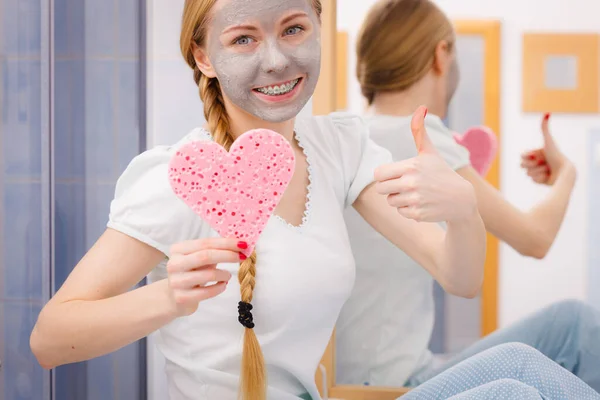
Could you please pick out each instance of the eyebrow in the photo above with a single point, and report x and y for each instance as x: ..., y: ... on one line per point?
x: 239, y: 27
x: 253, y: 28
x: 293, y: 16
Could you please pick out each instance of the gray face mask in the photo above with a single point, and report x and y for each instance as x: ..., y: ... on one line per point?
x: 269, y: 59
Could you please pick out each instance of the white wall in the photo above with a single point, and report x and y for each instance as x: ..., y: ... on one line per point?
x: 525, y: 284
x: 174, y: 108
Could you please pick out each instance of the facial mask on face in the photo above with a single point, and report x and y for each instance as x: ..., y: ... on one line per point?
x: 273, y: 61
x: 452, y: 82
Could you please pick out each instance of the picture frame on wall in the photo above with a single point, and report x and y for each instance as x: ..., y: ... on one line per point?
x: 560, y: 72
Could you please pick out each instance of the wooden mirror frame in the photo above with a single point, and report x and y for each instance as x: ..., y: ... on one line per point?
x: 331, y: 95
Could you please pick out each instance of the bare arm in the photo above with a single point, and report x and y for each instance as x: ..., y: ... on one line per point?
x: 455, y: 258
x: 531, y: 233
x: 94, y: 314
x: 408, y: 194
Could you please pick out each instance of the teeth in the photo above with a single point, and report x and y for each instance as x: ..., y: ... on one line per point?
x: 278, y: 90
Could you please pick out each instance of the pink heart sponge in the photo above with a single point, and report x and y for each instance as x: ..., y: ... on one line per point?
x: 236, y: 192
x: 482, y: 144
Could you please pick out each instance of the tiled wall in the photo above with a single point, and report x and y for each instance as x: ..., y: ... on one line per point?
x: 23, y: 253
x: 97, y: 97
x: 96, y: 133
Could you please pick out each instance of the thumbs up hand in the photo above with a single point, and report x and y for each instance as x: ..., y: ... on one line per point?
x: 425, y: 188
x: 545, y: 164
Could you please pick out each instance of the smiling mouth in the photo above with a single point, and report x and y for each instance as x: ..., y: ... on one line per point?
x: 279, y: 90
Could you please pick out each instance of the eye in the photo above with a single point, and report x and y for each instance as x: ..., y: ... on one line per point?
x: 293, y: 30
x: 243, y: 40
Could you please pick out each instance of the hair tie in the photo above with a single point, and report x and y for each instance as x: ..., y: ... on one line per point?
x: 245, y: 316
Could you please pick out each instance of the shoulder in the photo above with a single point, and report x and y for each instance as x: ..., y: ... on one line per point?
x: 329, y: 132
x: 339, y: 123
x: 153, y: 163
x: 343, y: 142
x: 145, y: 206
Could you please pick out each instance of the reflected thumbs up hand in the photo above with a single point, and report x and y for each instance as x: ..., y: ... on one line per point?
x: 544, y: 165
x: 425, y: 188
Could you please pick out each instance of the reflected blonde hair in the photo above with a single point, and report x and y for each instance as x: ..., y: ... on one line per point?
x: 396, y: 44
x: 196, y: 16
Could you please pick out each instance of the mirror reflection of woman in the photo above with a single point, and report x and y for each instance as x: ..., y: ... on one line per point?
x: 406, y: 56
x: 256, y: 63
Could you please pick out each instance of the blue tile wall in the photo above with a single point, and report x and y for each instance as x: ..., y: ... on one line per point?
x: 22, y: 247
x: 21, y: 28
x: 100, y: 121
x: 21, y: 116
x: 22, y: 377
x: 101, y: 28
x: 96, y: 133
x: 128, y: 127
x: 23, y: 280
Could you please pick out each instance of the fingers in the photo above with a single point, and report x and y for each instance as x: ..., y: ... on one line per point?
x: 541, y: 178
x: 527, y: 163
x: 541, y: 170
x: 533, y: 154
x: 398, y: 185
x: 217, y: 243
x: 417, y: 126
x: 404, y: 199
x: 199, y: 278
x: 548, y: 140
x: 194, y: 296
x: 202, y: 258
x: 394, y: 170
x: 545, y: 123
x: 413, y: 213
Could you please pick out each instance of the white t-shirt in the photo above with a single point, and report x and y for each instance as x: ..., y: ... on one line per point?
x: 383, y: 333
x: 304, y: 274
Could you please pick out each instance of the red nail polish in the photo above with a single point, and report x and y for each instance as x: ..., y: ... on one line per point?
x: 425, y: 114
x: 541, y: 162
x: 546, y: 116
x: 242, y: 245
x: 242, y: 256
x: 532, y: 157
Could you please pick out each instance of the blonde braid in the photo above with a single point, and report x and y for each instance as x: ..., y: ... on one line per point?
x: 253, y: 377
x: 214, y: 110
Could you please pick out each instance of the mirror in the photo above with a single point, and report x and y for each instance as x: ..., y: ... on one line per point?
x: 459, y: 322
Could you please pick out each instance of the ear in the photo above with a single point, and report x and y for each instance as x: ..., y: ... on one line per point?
x: 203, y: 62
x: 442, y: 58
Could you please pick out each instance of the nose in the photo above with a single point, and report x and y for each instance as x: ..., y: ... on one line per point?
x: 274, y: 59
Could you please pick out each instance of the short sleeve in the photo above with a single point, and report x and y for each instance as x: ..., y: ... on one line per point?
x: 453, y: 153
x: 146, y: 208
x: 359, y: 154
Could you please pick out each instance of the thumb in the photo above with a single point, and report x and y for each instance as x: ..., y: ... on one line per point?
x: 417, y: 126
x: 548, y: 140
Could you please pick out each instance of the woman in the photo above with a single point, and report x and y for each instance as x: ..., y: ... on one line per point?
x: 405, y: 57
x: 302, y: 270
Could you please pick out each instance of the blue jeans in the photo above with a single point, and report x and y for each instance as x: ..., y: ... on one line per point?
x: 510, y: 371
x: 567, y: 332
